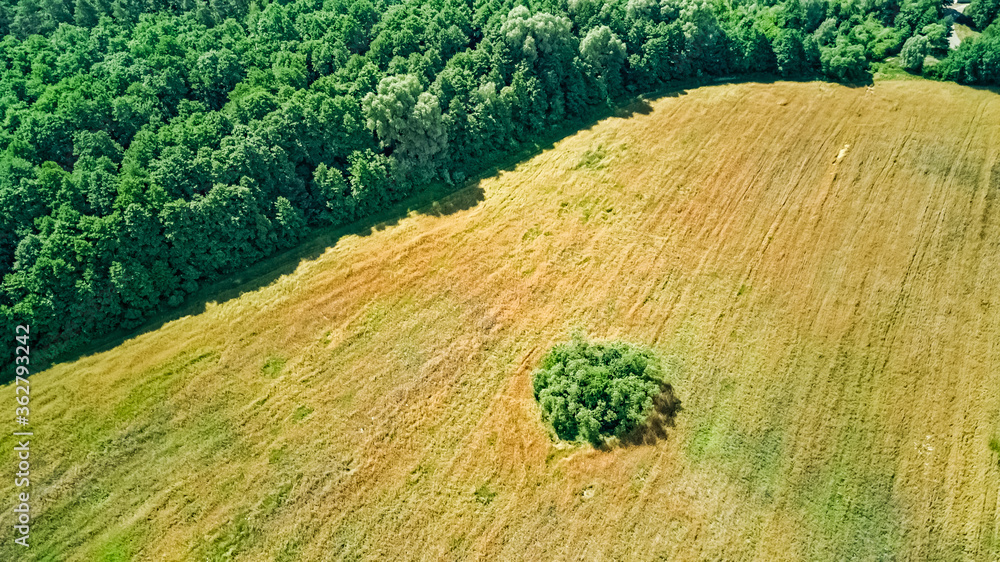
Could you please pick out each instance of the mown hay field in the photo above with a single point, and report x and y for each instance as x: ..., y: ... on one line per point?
x: 818, y: 266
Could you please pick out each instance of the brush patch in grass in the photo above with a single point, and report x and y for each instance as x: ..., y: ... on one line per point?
x: 290, y: 552
x: 531, y: 234
x: 273, y: 501
x: 301, y: 413
x: 418, y: 474
x: 592, y: 159
x: 456, y: 543
x: 275, y: 456
x: 273, y: 366
x: 484, y: 494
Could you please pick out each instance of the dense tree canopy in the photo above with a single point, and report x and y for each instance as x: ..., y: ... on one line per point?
x: 594, y: 390
x: 150, y: 147
x: 976, y: 61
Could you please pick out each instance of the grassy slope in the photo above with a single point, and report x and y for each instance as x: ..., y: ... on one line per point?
x: 831, y: 326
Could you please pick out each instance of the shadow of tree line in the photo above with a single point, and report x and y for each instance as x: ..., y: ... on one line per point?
x: 437, y: 199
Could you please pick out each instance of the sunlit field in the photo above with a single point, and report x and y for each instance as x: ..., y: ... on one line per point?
x: 818, y: 266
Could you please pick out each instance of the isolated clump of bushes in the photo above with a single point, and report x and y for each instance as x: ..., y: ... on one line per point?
x: 595, y: 390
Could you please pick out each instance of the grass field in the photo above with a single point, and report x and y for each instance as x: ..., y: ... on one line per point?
x: 819, y: 266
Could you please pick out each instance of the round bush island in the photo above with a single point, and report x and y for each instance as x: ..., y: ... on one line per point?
x: 595, y: 390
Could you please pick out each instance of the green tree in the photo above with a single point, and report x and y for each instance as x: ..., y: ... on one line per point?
x: 937, y: 37
x: 219, y: 232
x: 214, y: 74
x: 604, y: 54
x: 289, y: 221
x: 790, y: 53
x: 405, y: 118
x: 983, y: 12
x: 140, y: 273
x: 913, y: 54
x: 845, y: 62
x: 754, y: 52
x: 371, y: 181
x: 29, y: 19
x: 85, y: 13
x: 592, y: 391
x: 331, y: 190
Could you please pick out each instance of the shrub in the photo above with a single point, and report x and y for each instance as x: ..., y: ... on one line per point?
x: 845, y: 62
x: 594, y: 390
x: 913, y: 54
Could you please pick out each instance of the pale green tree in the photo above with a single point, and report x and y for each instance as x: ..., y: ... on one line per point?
x: 604, y: 53
x: 913, y: 54
x: 406, y: 118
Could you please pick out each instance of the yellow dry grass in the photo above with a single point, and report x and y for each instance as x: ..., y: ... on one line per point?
x: 818, y: 266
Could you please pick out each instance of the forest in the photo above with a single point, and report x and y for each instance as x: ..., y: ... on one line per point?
x: 149, y: 147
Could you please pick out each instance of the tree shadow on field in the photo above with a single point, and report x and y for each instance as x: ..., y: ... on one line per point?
x: 665, y: 408
x: 436, y: 200
x: 682, y: 87
x: 640, y: 106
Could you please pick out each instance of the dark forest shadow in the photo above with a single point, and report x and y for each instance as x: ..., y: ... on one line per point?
x: 681, y: 87
x: 959, y: 17
x: 438, y: 199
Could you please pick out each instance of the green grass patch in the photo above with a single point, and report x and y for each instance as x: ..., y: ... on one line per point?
x: 752, y: 459
x: 964, y: 32
x: 854, y: 512
x: 484, y: 494
x: 273, y: 366
x: 592, y: 159
x: 119, y: 548
x: 890, y: 70
x: 301, y: 413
